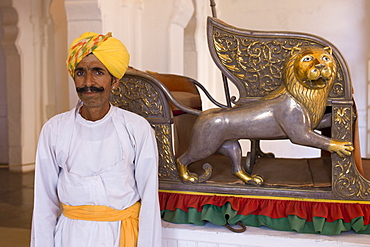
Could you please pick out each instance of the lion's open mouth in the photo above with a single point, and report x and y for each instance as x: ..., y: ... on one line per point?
x: 319, y: 83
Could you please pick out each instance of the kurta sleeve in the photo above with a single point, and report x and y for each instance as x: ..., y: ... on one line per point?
x: 146, y: 175
x: 46, y: 203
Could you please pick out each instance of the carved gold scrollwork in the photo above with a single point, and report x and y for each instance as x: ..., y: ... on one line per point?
x: 137, y: 96
x: 257, y: 61
x: 167, y: 166
x: 347, y: 182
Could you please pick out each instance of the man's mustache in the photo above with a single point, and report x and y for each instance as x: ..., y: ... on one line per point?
x: 89, y: 89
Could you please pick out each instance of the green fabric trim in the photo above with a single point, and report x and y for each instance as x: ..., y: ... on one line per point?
x: 223, y: 215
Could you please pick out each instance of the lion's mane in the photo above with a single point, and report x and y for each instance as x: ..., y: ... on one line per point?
x: 314, y: 100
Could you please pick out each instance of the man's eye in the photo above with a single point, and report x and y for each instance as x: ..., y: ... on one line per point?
x: 98, y: 72
x: 79, y: 73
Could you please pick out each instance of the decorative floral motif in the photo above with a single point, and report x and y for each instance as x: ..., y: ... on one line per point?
x: 343, y: 117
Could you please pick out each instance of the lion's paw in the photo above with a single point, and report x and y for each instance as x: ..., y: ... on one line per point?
x: 341, y: 148
x: 256, y: 179
x: 190, y: 178
x: 249, y: 179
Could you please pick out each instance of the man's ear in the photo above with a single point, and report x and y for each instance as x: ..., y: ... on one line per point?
x: 115, y: 82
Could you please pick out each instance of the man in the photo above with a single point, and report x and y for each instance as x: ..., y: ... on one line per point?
x: 96, y: 177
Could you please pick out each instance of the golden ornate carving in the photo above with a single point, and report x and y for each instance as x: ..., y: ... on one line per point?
x: 347, y: 182
x: 167, y: 166
x: 343, y: 117
x: 137, y: 96
x: 258, y: 61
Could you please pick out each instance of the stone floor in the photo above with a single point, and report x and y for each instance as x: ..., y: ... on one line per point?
x: 16, y: 200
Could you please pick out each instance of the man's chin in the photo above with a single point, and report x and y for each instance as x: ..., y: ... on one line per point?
x: 91, y: 103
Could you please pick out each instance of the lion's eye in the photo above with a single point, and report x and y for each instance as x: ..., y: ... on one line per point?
x: 307, y: 59
x: 325, y: 58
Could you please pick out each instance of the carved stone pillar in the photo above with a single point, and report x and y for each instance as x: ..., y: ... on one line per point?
x: 11, y: 84
x: 27, y: 84
x: 182, y: 11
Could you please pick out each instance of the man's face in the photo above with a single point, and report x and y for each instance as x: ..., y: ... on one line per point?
x: 93, y: 82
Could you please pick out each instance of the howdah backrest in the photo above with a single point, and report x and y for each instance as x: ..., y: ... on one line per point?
x: 253, y: 60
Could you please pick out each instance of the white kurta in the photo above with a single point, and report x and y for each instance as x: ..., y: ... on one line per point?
x: 111, y: 162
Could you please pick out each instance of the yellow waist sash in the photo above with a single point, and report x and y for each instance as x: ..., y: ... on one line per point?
x: 129, y: 219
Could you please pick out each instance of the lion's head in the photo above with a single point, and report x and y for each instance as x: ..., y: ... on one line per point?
x: 314, y: 67
x: 309, y: 76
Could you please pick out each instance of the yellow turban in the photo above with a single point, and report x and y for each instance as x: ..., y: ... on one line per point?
x: 110, y: 51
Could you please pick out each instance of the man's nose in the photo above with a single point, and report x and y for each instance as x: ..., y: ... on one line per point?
x: 89, y: 79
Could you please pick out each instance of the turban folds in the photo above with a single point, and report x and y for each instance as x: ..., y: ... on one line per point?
x: 110, y: 52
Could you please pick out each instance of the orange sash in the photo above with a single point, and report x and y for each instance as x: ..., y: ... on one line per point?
x: 129, y: 219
